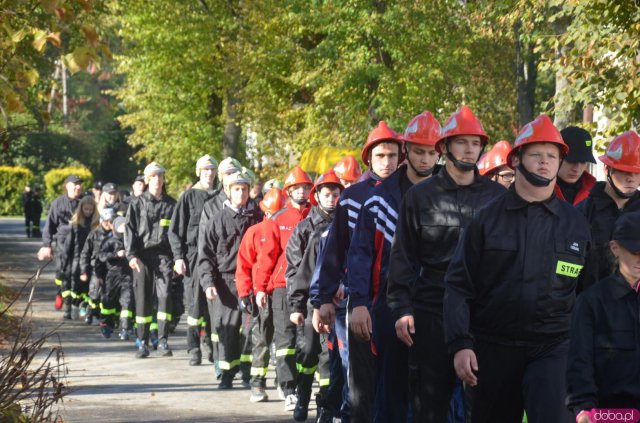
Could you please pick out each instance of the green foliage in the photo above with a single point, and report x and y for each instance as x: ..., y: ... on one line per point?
x: 54, y: 180
x: 12, y: 183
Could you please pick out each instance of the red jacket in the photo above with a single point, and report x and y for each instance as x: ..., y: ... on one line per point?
x: 271, y: 262
x: 588, y: 181
x: 246, y: 265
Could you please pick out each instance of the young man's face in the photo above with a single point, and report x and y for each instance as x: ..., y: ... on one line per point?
x: 504, y: 175
x: 465, y: 148
x: 628, y: 261
x: 626, y: 182
x: 542, y: 159
x: 384, y: 159
x: 239, y: 194
x: 328, y: 196
x: 300, y: 192
x: 422, y: 157
x: 156, y: 181
x: 571, y: 172
x: 207, y: 176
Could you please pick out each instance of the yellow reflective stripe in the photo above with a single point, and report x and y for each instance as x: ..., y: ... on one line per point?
x: 285, y: 351
x: 143, y: 319
x: 165, y: 222
x: 58, y: 282
x: 126, y: 313
x: 203, y: 323
x: 153, y: 326
x: 106, y: 311
x: 324, y: 382
x: 215, y: 337
x: 66, y: 293
x: 568, y: 269
x: 246, y: 358
x: 226, y: 365
x: 306, y: 370
x: 259, y: 371
x: 194, y: 322
x: 164, y: 316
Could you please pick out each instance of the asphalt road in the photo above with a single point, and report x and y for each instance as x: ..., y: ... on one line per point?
x: 108, y: 384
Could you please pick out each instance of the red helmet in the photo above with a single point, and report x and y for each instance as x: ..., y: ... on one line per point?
x: 272, y: 201
x: 329, y: 177
x: 296, y: 176
x: 623, y: 153
x: 462, y: 122
x: 494, y: 158
x: 348, y: 169
x: 423, y: 129
x: 539, y: 130
x: 381, y: 133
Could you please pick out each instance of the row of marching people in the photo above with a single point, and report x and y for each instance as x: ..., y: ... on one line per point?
x: 417, y: 291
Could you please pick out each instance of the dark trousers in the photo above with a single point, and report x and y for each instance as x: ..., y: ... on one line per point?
x: 32, y: 226
x: 432, y: 376
x: 332, y: 397
x: 246, y: 344
x: 514, y: 379
x: 343, y: 355
x: 309, y: 351
x: 262, y: 336
x: 392, y: 399
x: 227, y: 324
x: 285, y: 340
x: 196, y: 302
x: 153, y: 282
x: 62, y: 280
x: 118, y: 294
x: 361, y: 378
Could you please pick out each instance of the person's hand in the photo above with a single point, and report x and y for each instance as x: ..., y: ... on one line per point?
x: 466, y: 364
x: 360, y: 322
x: 261, y: 299
x: 211, y: 293
x: 297, y: 318
x: 328, y: 314
x: 405, y: 328
x: 339, y: 295
x: 180, y: 267
x: 246, y: 305
x: 134, y: 263
x: 44, y: 253
x: 120, y: 253
x: 584, y: 418
x: 317, y: 323
x: 84, y: 277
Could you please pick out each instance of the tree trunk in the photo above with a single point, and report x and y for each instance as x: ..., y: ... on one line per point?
x: 232, y: 128
x: 565, y: 109
x: 527, y: 76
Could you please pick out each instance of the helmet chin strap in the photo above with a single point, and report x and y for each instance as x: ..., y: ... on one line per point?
x: 299, y: 202
x: 616, y: 189
x: 532, y: 178
x: 462, y: 165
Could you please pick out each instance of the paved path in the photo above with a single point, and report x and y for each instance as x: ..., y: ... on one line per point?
x: 108, y: 384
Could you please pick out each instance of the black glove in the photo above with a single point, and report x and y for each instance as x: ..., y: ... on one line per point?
x: 246, y: 305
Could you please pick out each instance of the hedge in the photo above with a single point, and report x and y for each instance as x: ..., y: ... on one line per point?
x: 12, y: 183
x: 54, y: 180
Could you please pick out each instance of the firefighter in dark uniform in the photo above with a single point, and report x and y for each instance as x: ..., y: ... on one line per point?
x: 368, y: 262
x: 609, y: 200
x: 57, y: 227
x: 147, y: 248
x: 432, y: 216
x: 382, y: 153
x: 604, y: 350
x: 511, y: 288
x: 217, y: 260
x: 301, y: 254
x: 574, y: 182
x: 183, y: 237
